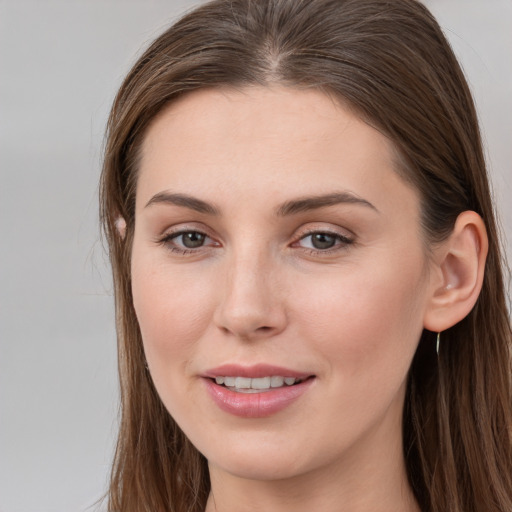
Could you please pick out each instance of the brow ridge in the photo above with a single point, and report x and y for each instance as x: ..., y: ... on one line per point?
x: 184, y: 200
x: 291, y: 207
x: 305, y: 204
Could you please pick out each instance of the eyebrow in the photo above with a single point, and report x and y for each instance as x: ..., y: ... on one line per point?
x: 315, y: 202
x: 291, y: 207
x: 184, y: 200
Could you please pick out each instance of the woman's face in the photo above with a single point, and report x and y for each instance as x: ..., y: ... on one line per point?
x: 274, y: 239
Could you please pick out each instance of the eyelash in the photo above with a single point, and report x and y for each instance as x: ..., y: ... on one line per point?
x: 168, y: 241
x: 341, y: 242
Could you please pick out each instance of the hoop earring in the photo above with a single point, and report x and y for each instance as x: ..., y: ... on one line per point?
x: 438, y: 341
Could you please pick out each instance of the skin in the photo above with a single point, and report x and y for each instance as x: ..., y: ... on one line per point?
x: 257, y: 291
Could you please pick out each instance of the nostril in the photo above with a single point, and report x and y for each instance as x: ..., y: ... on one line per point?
x: 248, y: 321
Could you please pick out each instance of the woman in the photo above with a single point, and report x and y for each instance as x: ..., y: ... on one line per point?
x: 310, y: 302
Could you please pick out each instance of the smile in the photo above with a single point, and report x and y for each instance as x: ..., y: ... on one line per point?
x: 256, y: 385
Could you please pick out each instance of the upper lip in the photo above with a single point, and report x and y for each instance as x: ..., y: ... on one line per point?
x: 254, y: 371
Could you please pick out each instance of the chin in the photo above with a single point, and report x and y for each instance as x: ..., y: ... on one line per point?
x: 260, y: 467
x: 264, y: 457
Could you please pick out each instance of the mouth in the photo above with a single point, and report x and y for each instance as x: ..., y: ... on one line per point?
x: 256, y: 391
x: 240, y: 384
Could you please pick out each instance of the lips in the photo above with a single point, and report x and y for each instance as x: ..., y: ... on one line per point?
x: 241, y: 399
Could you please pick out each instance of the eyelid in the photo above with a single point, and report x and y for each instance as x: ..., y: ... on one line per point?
x: 168, y: 237
x: 344, y: 238
x: 338, y: 236
x: 185, y: 227
x: 312, y: 228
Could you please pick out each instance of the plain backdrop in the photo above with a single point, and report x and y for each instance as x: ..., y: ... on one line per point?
x: 60, y: 65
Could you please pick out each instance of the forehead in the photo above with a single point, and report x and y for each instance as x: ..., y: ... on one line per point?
x: 267, y: 142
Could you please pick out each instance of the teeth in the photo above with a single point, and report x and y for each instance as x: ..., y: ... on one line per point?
x: 276, y: 382
x: 242, y: 383
x: 263, y: 383
x: 248, y: 385
x: 229, y: 382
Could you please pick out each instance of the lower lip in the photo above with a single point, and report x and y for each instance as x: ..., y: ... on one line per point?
x: 256, y: 405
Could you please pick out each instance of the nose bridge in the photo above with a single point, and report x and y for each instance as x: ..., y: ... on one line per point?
x: 250, y: 305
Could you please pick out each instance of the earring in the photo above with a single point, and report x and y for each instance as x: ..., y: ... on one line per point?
x: 438, y: 341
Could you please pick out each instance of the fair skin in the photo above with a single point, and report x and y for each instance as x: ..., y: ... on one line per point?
x: 229, y: 268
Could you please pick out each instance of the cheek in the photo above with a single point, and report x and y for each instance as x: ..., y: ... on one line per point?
x: 367, y: 322
x: 365, y: 326
x: 172, y: 310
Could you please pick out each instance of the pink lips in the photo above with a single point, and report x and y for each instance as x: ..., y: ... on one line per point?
x: 255, y: 405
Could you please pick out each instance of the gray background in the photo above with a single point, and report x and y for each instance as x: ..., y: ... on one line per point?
x: 60, y: 64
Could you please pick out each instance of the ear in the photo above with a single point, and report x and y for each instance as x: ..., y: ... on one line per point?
x: 120, y: 224
x: 458, y: 274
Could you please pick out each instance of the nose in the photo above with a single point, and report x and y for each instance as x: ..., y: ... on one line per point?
x: 251, y: 304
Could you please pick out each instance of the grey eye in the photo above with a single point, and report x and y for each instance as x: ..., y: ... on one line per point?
x: 322, y: 240
x: 191, y: 239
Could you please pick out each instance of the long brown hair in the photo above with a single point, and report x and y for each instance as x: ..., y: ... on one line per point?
x: 390, y: 62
